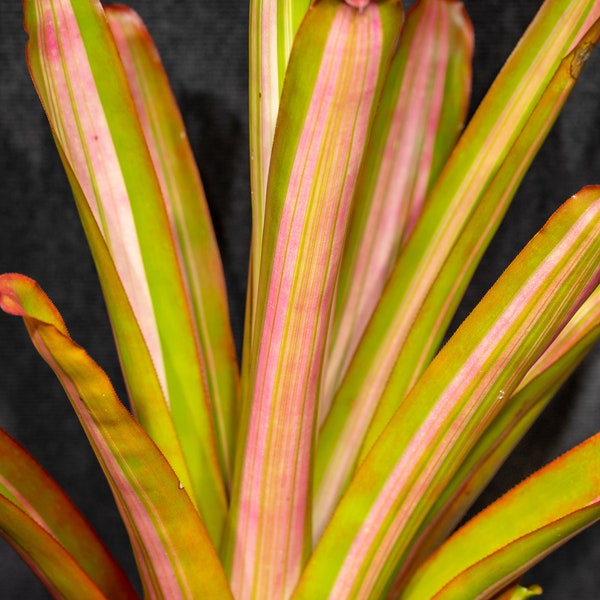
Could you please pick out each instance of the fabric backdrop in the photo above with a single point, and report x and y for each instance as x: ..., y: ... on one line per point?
x: 204, y: 49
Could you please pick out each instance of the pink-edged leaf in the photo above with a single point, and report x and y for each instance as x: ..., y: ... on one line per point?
x: 28, y: 487
x: 391, y: 358
x: 84, y: 89
x: 372, y: 529
x: 421, y: 113
x: 175, y: 556
x: 530, y: 398
x: 188, y: 214
x: 453, y: 271
x: 497, y: 546
x: 335, y: 71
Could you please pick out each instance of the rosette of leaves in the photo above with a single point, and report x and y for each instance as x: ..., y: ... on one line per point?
x: 337, y: 459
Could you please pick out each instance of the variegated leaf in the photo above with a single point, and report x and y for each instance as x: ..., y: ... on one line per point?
x: 421, y: 113
x: 61, y: 542
x: 459, y: 395
x: 189, y: 217
x: 175, y: 556
x: 83, y: 86
x: 412, y: 317
x: 335, y: 71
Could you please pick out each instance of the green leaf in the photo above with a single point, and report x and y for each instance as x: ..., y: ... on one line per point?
x: 334, y: 75
x: 515, y: 532
x: 421, y: 111
x: 519, y: 592
x: 189, y: 216
x: 461, y: 392
x: 25, y: 484
x: 173, y: 550
x: 83, y: 87
x: 418, y: 302
x: 530, y: 398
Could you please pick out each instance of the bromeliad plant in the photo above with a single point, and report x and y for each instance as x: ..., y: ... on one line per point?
x: 338, y: 460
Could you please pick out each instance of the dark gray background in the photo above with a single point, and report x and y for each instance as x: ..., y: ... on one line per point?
x: 203, y: 45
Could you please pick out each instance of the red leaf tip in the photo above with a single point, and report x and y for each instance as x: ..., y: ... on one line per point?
x: 9, y: 299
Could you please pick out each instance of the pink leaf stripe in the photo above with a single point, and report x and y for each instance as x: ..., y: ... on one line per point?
x: 398, y: 165
x: 79, y: 123
x: 416, y: 103
x: 458, y: 396
x: 274, y: 518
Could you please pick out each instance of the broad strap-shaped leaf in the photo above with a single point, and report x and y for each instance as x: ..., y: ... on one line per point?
x: 476, y: 186
x: 518, y: 530
x: 421, y: 113
x: 149, y: 404
x: 175, y: 556
x: 273, y: 26
x: 83, y: 87
x: 461, y: 392
x: 497, y: 442
x: 390, y: 358
x: 188, y: 212
x: 334, y: 75
x: 25, y: 484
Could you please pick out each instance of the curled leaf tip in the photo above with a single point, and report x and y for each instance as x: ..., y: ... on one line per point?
x: 9, y: 297
x: 8, y: 302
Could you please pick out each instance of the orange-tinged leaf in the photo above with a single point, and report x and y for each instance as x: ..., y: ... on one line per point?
x: 56, y: 568
x: 511, y: 535
x: 175, y: 556
x: 28, y: 487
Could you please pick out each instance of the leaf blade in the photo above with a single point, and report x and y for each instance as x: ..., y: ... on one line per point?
x: 421, y: 112
x: 83, y: 87
x: 25, y: 484
x: 188, y: 213
x: 60, y: 573
x: 545, y: 520
x: 174, y: 553
x: 334, y: 73
x: 462, y: 390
